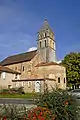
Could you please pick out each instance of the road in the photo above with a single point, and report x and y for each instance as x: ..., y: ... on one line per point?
x: 15, y: 101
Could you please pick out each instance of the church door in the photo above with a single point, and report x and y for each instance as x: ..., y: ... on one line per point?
x: 37, y: 86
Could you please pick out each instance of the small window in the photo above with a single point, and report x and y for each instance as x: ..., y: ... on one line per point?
x: 45, y: 43
x: 58, y: 79
x: 29, y: 83
x: 23, y: 84
x: 64, y: 80
x: 15, y: 76
x: 23, y: 68
x: 15, y: 68
x: 40, y: 44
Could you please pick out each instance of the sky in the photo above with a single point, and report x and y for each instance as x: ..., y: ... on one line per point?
x: 20, y: 20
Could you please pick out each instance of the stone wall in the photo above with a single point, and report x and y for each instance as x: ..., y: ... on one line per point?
x: 53, y: 72
x: 32, y: 72
x: 5, y: 82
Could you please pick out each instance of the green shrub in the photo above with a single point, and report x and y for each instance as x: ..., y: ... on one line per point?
x: 12, y: 112
x: 59, y: 102
x: 19, y: 90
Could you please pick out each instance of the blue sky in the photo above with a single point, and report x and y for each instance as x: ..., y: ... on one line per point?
x: 20, y: 21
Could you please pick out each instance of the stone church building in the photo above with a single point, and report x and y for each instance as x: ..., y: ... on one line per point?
x: 39, y: 67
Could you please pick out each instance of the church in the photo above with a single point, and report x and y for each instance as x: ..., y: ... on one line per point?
x: 35, y: 69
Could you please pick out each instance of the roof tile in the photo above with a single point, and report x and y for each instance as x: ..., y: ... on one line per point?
x: 27, y: 56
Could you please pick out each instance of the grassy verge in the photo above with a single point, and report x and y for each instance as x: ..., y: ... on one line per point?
x: 22, y: 96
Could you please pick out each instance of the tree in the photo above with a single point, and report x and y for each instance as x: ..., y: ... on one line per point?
x: 72, y: 64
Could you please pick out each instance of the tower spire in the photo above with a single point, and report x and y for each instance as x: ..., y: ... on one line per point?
x: 45, y: 21
x: 45, y: 26
x: 46, y: 43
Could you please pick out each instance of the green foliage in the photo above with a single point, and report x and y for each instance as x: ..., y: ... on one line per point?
x: 19, y: 90
x: 22, y: 96
x: 16, y: 112
x: 72, y: 64
x: 16, y: 93
x: 4, y: 90
x: 59, y: 102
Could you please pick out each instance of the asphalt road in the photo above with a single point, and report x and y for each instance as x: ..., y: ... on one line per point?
x: 15, y: 101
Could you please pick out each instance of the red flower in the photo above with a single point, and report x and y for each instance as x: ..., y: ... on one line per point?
x: 66, y: 103
x: 35, y: 115
x: 39, y: 114
x: 4, y: 118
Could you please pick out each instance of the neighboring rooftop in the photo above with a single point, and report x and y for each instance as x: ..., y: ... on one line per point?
x: 27, y: 56
x: 8, y: 70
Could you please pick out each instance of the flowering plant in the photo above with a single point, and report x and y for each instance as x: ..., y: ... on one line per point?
x: 40, y: 113
x: 59, y: 102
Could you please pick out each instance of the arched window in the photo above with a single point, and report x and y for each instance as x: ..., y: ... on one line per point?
x: 58, y: 79
x: 23, y: 68
x: 40, y: 44
x: 64, y: 80
x: 15, y: 76
x: 29, y: 83
x: 45, y: 43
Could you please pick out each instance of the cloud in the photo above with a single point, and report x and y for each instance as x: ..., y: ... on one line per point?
x: 59, y: 62
x: 32, y: 49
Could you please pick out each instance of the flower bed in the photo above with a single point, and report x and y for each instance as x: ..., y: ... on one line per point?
x: 13, y: 91
x: 54, y: 105
x: 37, y: 113
x: 59, y: 102
x: 40, y: 113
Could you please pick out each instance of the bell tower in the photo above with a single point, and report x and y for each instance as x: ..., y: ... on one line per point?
x: 46, y: 43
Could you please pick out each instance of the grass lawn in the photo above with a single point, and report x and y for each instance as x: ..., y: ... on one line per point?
x: 22, y: 96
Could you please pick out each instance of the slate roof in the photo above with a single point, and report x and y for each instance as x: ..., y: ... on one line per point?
x: 27, y: 56
x: 45, y: 26
x: 8, y: 70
